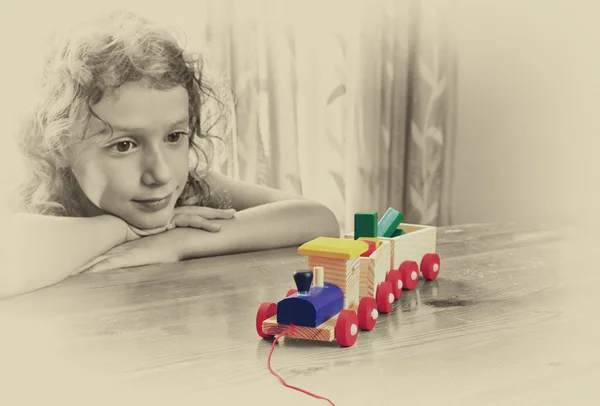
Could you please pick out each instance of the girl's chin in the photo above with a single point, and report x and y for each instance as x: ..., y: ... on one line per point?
x: 149, y: 222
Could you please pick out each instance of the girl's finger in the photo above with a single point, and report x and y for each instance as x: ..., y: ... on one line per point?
x: 206, y: 212
x: 195, y: 221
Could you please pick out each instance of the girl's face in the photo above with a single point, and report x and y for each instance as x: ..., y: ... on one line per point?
x: 139, y: 172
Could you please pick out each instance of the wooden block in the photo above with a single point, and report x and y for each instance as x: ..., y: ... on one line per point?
x: 397, y: 233
x: 324, y: 332
x: 365, y: 224
x: 414, y: 245
x: 375, y: 239
x: 311, y: 309
x: 319, y: 272
x: 373, y: 269
x: 389, y: 223
x: 372, y: 248
x: 343, y: 273
x: 337, y: 248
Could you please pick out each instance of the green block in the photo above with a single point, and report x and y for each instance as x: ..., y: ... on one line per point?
x: 398, y: 233
x: 389, y: 223
x: 365, y: 224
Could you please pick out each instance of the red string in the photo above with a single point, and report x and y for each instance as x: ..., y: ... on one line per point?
x: 284, y: 383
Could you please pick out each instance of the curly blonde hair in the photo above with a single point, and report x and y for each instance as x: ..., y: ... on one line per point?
x: 95, y: 57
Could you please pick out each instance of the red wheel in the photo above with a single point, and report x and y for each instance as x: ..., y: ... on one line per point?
x: 367, y: 313
x: 291, y: 292
x: 346, y: 328
x: 265, y: 311
x: 385, y: 297
x: 395, y: 278
x: 430, y: 266
x: 410, y: 274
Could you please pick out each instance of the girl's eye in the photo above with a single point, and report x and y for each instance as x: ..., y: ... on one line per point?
x: 123, y: 146
x: 175, y: 137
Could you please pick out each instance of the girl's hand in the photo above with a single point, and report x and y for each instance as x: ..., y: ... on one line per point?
x: 153, y: 249
x: 198, y: 217
x: 186, y: 216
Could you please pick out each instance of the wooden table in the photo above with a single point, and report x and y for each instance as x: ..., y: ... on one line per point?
x: 512, y: 319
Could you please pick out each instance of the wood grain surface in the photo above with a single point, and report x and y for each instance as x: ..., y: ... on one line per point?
x: 513, y: 319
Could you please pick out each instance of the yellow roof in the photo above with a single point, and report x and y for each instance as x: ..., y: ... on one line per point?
x: 337, y: 248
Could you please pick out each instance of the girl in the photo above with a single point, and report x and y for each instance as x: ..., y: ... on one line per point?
x: 119, y: 149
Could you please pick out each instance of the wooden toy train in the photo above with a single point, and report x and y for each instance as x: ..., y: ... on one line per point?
x: 351, y: 280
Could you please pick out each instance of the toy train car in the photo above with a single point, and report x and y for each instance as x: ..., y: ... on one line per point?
x: 351, y: 280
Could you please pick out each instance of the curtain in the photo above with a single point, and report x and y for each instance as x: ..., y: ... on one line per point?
x: 345, y: 102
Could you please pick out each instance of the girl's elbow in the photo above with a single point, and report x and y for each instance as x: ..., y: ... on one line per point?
x: 9, y: 288
x: 328, y: 221
x: 333, y: 226
x: 316, y: 218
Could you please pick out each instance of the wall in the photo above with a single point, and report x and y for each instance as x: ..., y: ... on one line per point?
x: 527, y: 133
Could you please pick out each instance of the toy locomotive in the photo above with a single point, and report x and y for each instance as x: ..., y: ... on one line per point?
x: 351, y: 280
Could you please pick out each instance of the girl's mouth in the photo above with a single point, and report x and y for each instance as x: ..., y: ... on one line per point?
x: 153, y: 205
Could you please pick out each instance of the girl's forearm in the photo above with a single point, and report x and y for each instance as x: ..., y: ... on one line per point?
x: 274, y: 225
x: 44, y: 250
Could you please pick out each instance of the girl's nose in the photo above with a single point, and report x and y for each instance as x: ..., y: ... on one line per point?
x: 156, y: 169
